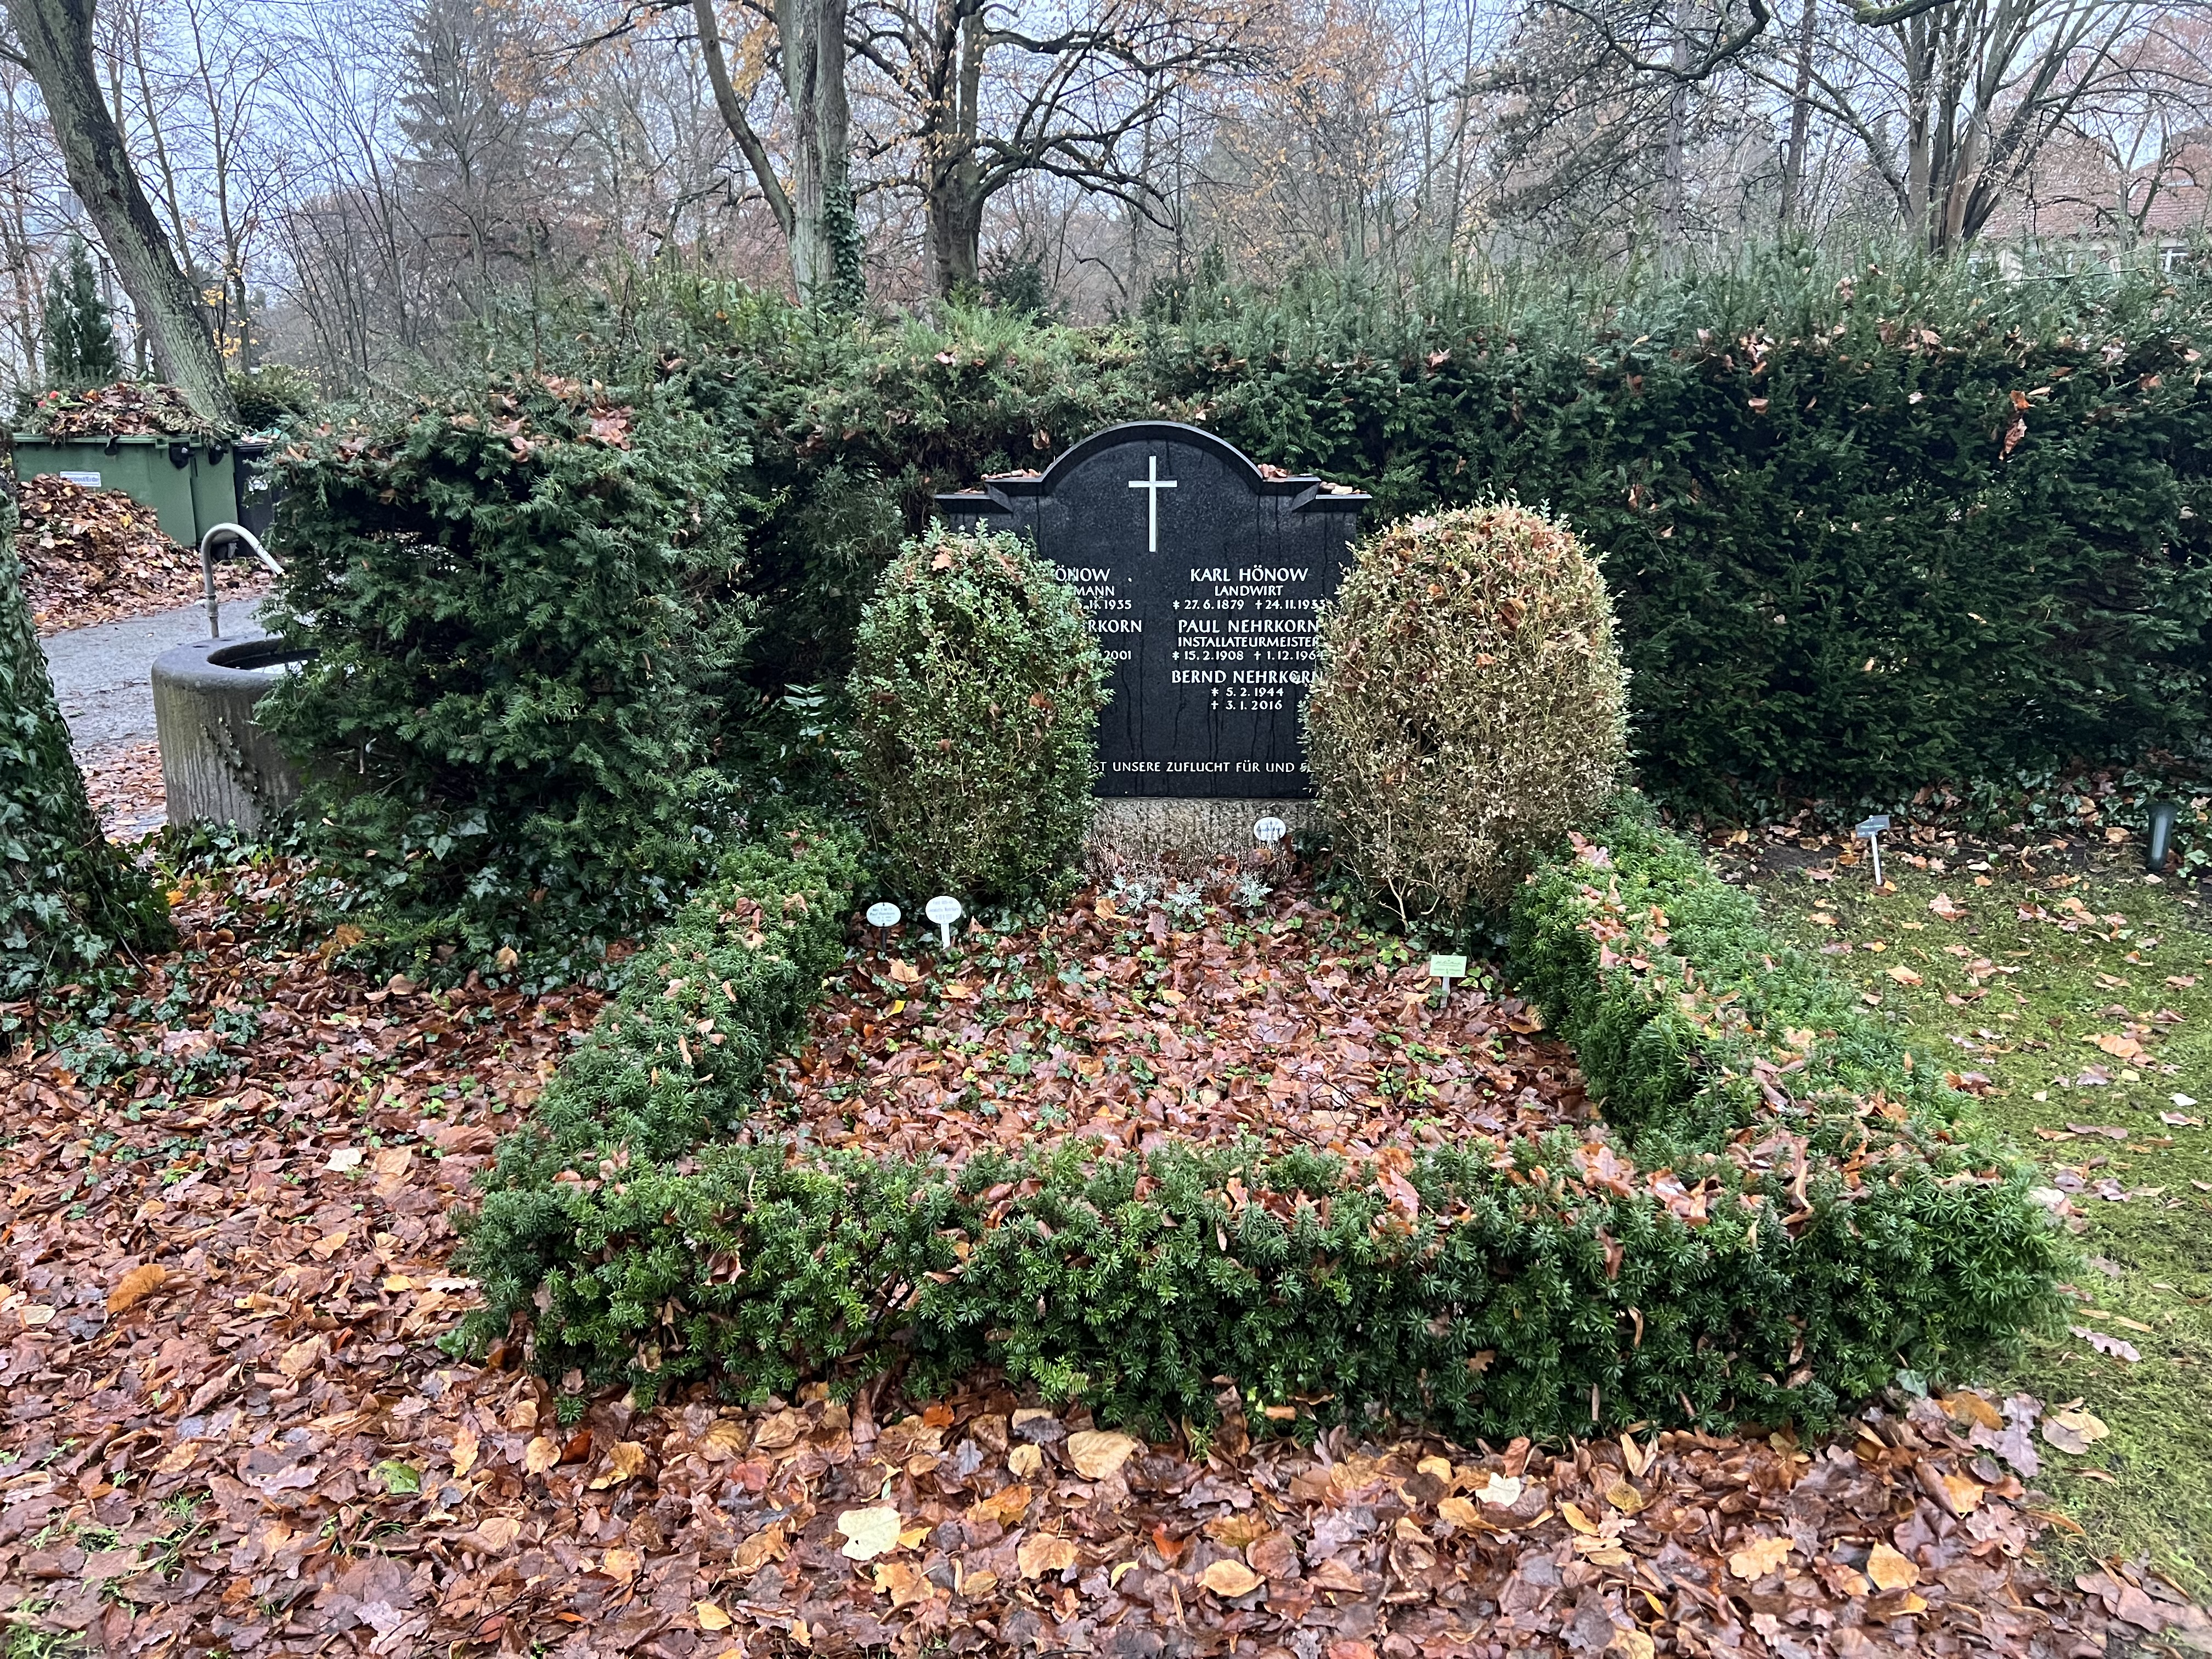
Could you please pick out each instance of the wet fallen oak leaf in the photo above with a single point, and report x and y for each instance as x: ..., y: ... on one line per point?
x: 776, y: 1432
x: 626, y: 1460
x: 1461, y: 1514
x: 494, y: 1535
x: 771, y: 1543
x: 135, y: 1286
x: 902, y: 1581
x: 1890, y: 1569
x: 466, y: 1447
x: 1237, y: 1529
x: 301, y: 1358
x: 1004, y: 1506
x: 1757, y: 1557
x: 1335, y: 1575
x: 1229, y: 1578
x: 869, y: 1532
x: 1501, y: 1491
x: 1044, y: 1552
x: 1096, y: 1453
x: 2073, y: 1431
x: 2117, y: 1347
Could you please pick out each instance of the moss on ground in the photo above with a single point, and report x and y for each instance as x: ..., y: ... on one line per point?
x: 2056, y: 970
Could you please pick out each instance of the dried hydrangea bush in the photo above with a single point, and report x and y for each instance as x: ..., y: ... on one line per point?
x: 1471, y: 705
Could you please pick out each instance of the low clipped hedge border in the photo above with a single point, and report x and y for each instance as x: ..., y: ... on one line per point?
x: 1769, y: 1234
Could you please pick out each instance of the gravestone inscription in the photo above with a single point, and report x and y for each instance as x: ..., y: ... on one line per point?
x: 1203, y: 576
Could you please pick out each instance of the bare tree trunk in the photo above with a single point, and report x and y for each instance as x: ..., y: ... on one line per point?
x: 1801, y: 119
x: 955, y: 205
x: 815, y: 211
x: 1677, y: 122
x: 56, y: 37
x: 1919, y: 128
x: 813, y: 36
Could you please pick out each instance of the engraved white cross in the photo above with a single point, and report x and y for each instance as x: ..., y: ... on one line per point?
x: 1156, y: 484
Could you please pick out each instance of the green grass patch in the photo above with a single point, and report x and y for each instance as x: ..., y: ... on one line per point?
x: 2054, y: 971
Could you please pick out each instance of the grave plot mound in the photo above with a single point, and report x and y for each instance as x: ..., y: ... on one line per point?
x: 1779, y: 1212
x: 1273, y: 1024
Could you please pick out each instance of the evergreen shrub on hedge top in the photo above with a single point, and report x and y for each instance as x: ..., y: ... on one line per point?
x: 1470, y: 705
x: 1775, y: 1233
x: 975, y: 690
x: 525, y: 599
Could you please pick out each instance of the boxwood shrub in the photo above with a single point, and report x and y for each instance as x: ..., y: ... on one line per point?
x: 975, y: 691
x: 1469, y: 706
x: 1781, y: 1218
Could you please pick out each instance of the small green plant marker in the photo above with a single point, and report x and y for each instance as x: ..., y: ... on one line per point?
x: 943, y: 910
x: 1447, y: 968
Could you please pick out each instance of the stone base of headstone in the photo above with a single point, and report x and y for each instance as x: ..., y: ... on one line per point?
x: 1131, y: 834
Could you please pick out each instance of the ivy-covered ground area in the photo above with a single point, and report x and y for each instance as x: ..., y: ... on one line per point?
x: 234, y: 1421
x: 2073, y: 996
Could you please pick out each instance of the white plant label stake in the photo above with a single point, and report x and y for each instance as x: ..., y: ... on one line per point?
x: 1447, y: 968
x: 882, y: 915
x: 1871, y: 832
x: 943, y: 910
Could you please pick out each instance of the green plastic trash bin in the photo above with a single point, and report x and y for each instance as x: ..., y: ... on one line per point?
x: 191, y: 486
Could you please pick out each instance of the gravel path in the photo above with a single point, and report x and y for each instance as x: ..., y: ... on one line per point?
x: 100, y: 674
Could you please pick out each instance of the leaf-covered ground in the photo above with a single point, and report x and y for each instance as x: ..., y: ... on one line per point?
x: 229, y: 1425
x: 1131, y: 1022
x: 2075, y: 998
x: 98, y: 556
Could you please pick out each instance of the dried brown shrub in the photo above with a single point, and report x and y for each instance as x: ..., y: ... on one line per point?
x: 1471, y: 705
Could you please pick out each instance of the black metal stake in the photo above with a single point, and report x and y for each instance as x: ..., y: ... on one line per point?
x: 2162, y: 814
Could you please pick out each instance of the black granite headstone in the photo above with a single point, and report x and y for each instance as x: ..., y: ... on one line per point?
x: 1203, y: 577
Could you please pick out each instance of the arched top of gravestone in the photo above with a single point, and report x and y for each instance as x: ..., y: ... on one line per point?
x: 1203, y: 577
x: 1005, y: 487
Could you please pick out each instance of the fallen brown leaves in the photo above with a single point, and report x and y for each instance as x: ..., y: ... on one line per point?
x: 124, y: 782
x: 226, y: 1424
x: 95, y: 556
x: 127, y: 409
x: 1133, y: 1030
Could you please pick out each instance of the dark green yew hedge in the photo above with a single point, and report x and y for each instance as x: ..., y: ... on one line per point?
x: 1768, y: 1232
x: 1866, y: 531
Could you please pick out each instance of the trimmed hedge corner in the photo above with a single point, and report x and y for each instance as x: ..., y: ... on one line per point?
x: 1771, y: 1234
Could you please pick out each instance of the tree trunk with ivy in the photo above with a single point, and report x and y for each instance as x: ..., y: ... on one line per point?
x: 815, y: 210
x: 55, y: 38
x: 69, y: 902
